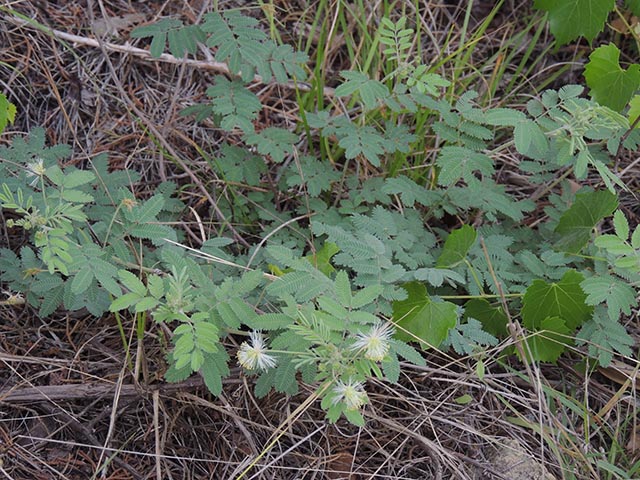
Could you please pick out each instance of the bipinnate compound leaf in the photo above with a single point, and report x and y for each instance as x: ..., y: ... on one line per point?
x: 132, y: 282
x: 313, y: 174
x: 363, y: 140
x: 570, y: 19
x: 154, y: 232
x: 621, y: 225
x: 75, y: 178
x: 570, y: 91
x: 605, y: 337
x: 470, y: 337
x: 285, y: 377
x: 617, y: 294
x: 391, y: 368
x: 82, y: 280
x: 283, y: 63
x: 366, y: 296
x: 610, y: 84
x: 264, y: 384
x: 214, y: 367
x: 342, y: 287
x: 273, y: 141
x: 548, y: 342
x: 409, y: 191
x: 422, y: 317
x: 437, y: 276
x: 174, y: 375
x: 237, y: 105
x: 146, y: 211
x: 577, y: 223
x: 51, y: 300
x: 407, y: 352
x: 460, y: 163
x: 237, y: 40
x: 396, y: 37
x: 182, y: 39
x: 564, y: 299
x: 457, y: 246
x: 504, y: 117
x: 529, y: 139
x: 371, y: 91
x: 211, y: 375
x: 158, y: 32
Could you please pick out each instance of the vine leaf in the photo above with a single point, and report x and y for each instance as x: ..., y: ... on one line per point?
x: 570, y: 19
x: 634, y: 109
x: 564, y: 299
x: 547, y: 344
x: 321, y: 259
x: 634, y: 6
x: 423, y: 317
x: 578, y: 221
x: 610, y: 84
x: 457, y: 246
x: 7, y: 112
x: 493, y: 319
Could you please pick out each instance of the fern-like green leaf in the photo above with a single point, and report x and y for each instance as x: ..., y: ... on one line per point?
x: 147, y: 211
x: 236, y: 105
x: 617, y: 294
x: 409, y: 191
x: 460, y: 163
x: 182, y: 39
x: 371, y: 92
x: 273, y: 141
x: 468, y: 338
x: 362, y: 140
x: 285, y: 377
x: 604, y: 337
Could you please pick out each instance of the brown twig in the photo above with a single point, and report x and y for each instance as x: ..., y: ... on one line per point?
x: 47, y: 393
x: 165, y: 57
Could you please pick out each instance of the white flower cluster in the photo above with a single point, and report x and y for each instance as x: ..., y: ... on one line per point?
x: 254, y: 354
x: 351, y: 393
x: 375, y: 343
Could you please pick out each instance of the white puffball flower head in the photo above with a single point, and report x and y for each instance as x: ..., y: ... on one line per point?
x: 351, y: 393
x: 254, y: 354
x: 375, y: 343
x: 35, y: 169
